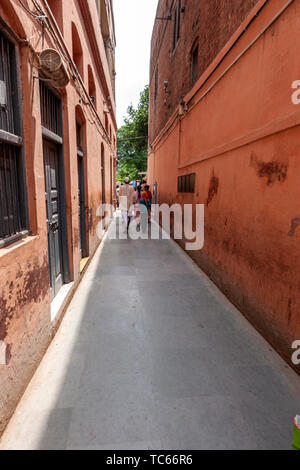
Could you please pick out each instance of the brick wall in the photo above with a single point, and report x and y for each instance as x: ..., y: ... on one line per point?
x: 208, y: 22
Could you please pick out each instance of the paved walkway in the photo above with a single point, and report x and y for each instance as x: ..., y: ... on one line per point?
x: 151, y: 356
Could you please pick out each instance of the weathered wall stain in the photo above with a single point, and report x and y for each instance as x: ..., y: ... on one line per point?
x: 36, y: 282
x: 8, y: 353
x: 90, y: 218
x: 273, y: 171
x: 294, y: 225
x: 6, y: 314
x: 34, y: 288
x: 289, y: 311
x: 213, y: 189
x: 247, y: 254
x: 76, y: 237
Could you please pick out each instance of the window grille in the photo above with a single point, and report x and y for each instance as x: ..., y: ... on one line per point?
x: 13, y: 209
x: 156, y: 84
x: 194, y: 64
x: 176, y: 28
x: 79, y: 136
x: 50, y: 110
x: 7, y: 85
x: 9, y: 191
x: 186, y: 183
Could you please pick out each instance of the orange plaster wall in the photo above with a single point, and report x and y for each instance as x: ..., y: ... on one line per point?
x: 243, y: 142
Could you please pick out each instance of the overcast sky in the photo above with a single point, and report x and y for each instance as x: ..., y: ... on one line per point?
x: 134, y: 20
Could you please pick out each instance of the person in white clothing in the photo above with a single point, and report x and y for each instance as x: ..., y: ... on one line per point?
x: 127, y: 198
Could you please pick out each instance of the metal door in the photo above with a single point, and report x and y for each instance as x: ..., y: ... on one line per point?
x: 155, y: 193
x: 103, y: 174
x: 51, y: 164
x: 81, y: 203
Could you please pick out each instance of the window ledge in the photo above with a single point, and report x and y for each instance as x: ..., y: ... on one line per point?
x: 9, y: 138
x: 12, y: 244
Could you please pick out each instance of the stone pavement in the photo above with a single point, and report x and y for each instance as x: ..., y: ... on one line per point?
x: 150, y: 355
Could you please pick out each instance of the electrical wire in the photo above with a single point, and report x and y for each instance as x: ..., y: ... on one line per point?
x: 72, y: 69
x: 31, y: 12
x: 42, y: 17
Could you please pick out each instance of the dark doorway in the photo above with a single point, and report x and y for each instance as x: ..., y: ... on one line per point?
x: 81, y: 191
x: 81, y: 201
x: 111, y: 181
x: 154, y: 193
x: 194, y: 63
x: 103, y: 174
x: 51, y: 117
x: 51, y: 165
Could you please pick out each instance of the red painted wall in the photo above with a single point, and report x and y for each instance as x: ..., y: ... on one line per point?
x: 240, y: 135
x: 25, y: 322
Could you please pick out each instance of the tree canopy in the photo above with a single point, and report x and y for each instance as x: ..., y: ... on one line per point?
x: 133, y: 140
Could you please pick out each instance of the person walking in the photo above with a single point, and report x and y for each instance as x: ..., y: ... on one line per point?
x: 149, y: 194
x: 138, y: 199
x: 117, y: 196
x: 127, y: 200
x: 145, y: 210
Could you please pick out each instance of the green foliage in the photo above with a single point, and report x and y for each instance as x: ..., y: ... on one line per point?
x: 133, y: 141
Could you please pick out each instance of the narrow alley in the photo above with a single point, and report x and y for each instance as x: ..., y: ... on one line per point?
x: 151, y: 355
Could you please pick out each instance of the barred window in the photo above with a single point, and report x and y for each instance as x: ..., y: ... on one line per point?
x: 176, y: 23
x: 9, y: 187
x: 79, y: 135
x: 50, y: 110
x: 186, y: 183
x: 12, y: 195
x: 156, y: 84
x: 194, y: 64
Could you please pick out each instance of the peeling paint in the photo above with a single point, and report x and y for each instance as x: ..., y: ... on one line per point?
x: 34, y: 288
x: 6, y: 314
